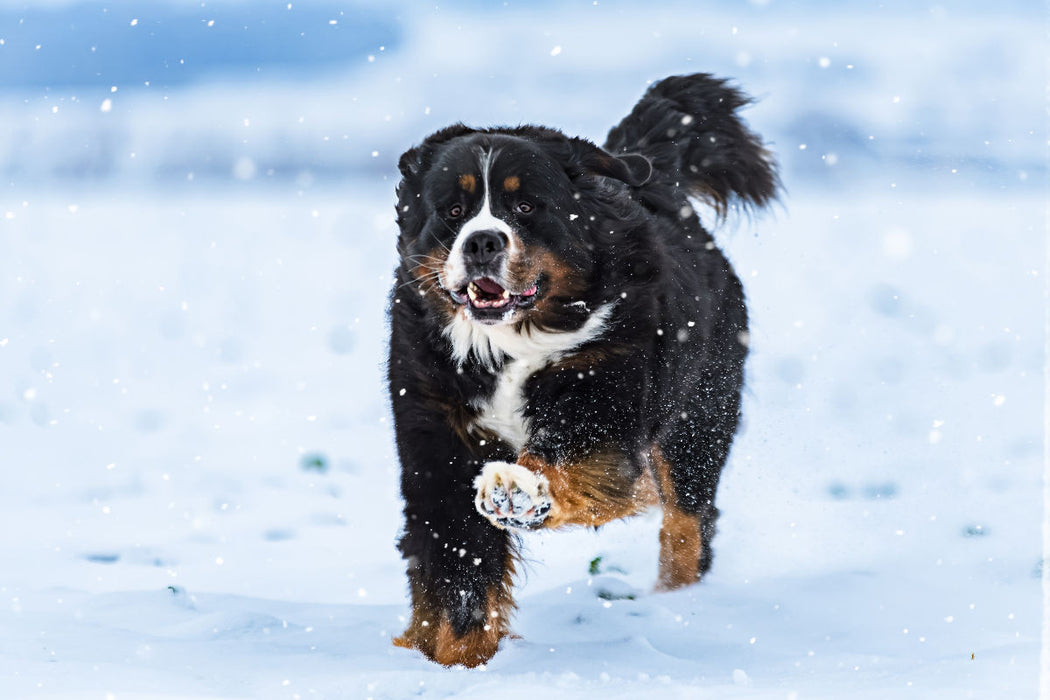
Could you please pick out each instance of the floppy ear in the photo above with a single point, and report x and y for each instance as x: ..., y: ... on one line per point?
x: 415, y: 160
x: 409, y: 213
x: 631, y: 168
x: 412, y: 164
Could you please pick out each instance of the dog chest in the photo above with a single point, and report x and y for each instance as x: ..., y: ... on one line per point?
x: 503, y: 412
x: 522, y: 354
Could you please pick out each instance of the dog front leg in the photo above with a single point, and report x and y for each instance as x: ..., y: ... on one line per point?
x: 461, y: 600
x: 460, y: 568
x: 536, y: 493
x: 582, y: 463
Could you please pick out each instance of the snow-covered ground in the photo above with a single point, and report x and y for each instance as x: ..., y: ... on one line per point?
x: 198, y: 491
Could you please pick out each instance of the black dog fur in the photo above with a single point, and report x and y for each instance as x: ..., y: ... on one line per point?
x: 645, y: 408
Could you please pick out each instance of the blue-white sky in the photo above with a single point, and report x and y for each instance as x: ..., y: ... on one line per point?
x: 946, y: 95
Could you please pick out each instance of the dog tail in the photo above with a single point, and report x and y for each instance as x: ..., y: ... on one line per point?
x: 687, y: 126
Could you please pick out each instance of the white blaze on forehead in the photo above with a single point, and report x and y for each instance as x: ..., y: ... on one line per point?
x: 484, y: 220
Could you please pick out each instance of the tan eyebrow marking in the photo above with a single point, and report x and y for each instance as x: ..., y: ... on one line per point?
x: 512, y: 183
x: 468, y: 182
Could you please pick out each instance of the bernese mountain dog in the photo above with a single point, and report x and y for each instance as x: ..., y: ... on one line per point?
x: 567, y: 345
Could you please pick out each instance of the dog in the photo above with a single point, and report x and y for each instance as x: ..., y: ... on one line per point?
x: 567, y: 345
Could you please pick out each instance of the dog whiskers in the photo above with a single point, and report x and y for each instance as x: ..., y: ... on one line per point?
x: 430, y: 277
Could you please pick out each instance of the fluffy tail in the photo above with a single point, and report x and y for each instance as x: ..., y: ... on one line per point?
x: 688, y: 127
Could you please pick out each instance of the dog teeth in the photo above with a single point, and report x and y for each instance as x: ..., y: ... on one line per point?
x: 479, y: 299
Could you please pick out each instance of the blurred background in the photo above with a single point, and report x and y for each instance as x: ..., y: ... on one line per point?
x: 196, y: 240
x: 293, y: 95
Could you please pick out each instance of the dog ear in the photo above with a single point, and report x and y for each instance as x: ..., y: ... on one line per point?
x: 415, y: 160
x: 409, y: 213
x: 412, y: 164
x: 631, y: 168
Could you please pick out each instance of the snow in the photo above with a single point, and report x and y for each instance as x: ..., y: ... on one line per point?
x: 197, y: 474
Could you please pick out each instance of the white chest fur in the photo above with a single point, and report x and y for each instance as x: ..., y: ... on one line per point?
x: 503, y: 414
x: 524, y: 355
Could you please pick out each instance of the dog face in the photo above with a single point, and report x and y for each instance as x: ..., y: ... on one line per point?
x: 492, y: 228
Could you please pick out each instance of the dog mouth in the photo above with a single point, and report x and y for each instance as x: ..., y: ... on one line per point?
x: 486, y: 294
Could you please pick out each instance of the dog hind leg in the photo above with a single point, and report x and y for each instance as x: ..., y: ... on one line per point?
x: 687, y: 463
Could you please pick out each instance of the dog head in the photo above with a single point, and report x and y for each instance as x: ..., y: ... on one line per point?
x: 498, y: 226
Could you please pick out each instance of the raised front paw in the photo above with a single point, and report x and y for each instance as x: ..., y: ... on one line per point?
x: 510, y: 495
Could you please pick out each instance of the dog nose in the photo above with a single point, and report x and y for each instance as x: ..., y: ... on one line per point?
x: 482, y: 247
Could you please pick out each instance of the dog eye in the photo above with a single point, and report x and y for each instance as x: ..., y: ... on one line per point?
x: 455, y: 211
x: 524, y: 207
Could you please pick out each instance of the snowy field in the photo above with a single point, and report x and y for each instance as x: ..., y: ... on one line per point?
x: 197, y: 475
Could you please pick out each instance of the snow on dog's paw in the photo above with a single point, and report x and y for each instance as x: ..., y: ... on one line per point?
x: 510, y: 495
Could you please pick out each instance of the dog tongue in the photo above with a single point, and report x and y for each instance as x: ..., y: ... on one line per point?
x: 488, y: 286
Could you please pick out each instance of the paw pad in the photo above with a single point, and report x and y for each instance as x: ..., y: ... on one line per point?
x: 511, y: 496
